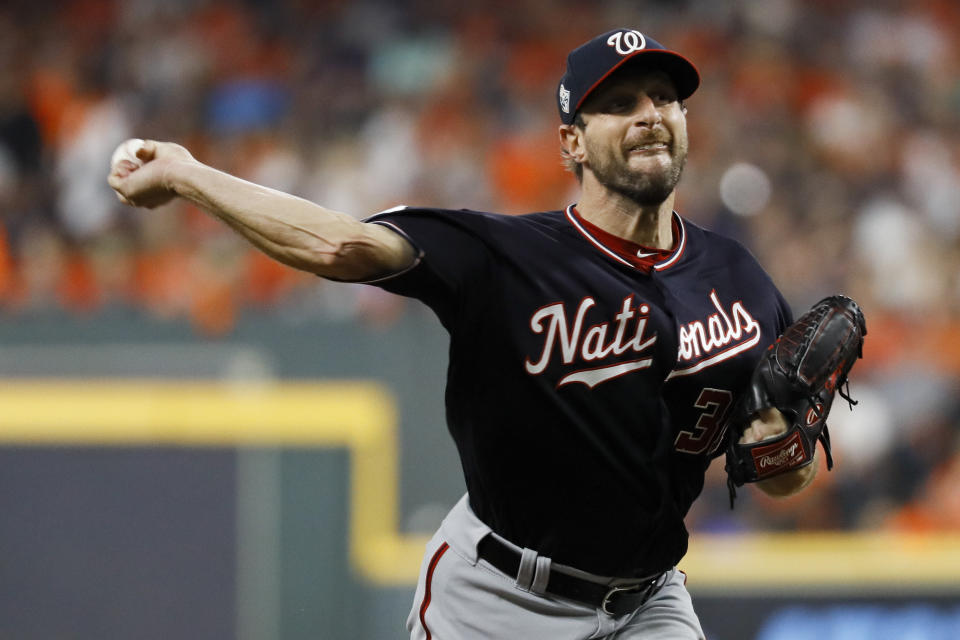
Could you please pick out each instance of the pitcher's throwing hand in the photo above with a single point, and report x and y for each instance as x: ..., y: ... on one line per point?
x: 143, y: 180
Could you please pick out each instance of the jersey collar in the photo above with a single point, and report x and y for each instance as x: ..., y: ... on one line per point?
x: 630, y: 253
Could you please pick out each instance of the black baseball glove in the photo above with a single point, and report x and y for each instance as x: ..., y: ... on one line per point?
x: 799, y: 375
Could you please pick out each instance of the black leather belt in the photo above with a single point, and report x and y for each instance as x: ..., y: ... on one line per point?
x: 615, y: 601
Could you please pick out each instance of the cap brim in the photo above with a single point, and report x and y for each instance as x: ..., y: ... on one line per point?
x: 685, y: 76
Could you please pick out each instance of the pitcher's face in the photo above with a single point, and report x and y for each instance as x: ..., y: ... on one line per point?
x: 636, y: 135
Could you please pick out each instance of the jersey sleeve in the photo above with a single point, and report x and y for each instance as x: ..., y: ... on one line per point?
x: 452, y: 257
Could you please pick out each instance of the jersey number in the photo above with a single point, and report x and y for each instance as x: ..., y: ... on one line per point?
x: 708, y: 433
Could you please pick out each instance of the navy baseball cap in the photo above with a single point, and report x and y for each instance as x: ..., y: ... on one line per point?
x: 591, y: 63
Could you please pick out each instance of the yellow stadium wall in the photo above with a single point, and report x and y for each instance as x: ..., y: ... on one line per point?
x: 314, y: 481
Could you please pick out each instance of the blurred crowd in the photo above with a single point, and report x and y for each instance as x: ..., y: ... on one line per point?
x: 825, y: 136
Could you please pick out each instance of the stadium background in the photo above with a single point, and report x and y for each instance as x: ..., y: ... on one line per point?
x: 139, y: 500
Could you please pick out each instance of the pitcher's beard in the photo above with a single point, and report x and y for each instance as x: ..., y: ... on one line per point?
x: 646, y: 188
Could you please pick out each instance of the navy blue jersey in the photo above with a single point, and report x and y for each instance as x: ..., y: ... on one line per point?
x: 587, y: 393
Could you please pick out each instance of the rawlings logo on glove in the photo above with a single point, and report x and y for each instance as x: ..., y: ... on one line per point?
x: 798, y: 375
x: 785, y: 455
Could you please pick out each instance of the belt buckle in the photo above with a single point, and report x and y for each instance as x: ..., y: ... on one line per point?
x: 615, y: 590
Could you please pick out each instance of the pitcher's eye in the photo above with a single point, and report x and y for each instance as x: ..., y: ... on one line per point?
x: 620, y: 104
x: 663, y: 96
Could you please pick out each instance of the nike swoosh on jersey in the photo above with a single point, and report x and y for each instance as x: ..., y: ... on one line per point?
x: 593, y: 377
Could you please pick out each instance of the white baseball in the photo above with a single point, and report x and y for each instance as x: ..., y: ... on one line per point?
x: 127, y: 150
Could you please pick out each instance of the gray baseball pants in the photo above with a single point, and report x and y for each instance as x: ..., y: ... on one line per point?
x: 460, y: 596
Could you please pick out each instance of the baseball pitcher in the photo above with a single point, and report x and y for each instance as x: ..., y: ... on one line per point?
x: 601, y: 356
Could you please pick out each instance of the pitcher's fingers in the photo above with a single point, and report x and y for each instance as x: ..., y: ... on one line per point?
x: 116, y: 183
x: 124, y: 168
x: 147, y: 151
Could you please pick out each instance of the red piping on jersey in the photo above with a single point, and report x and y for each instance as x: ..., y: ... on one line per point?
x: 681, y: 230
x: 571, y: 216
x: 625, y: 251
x: 428, y: 583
